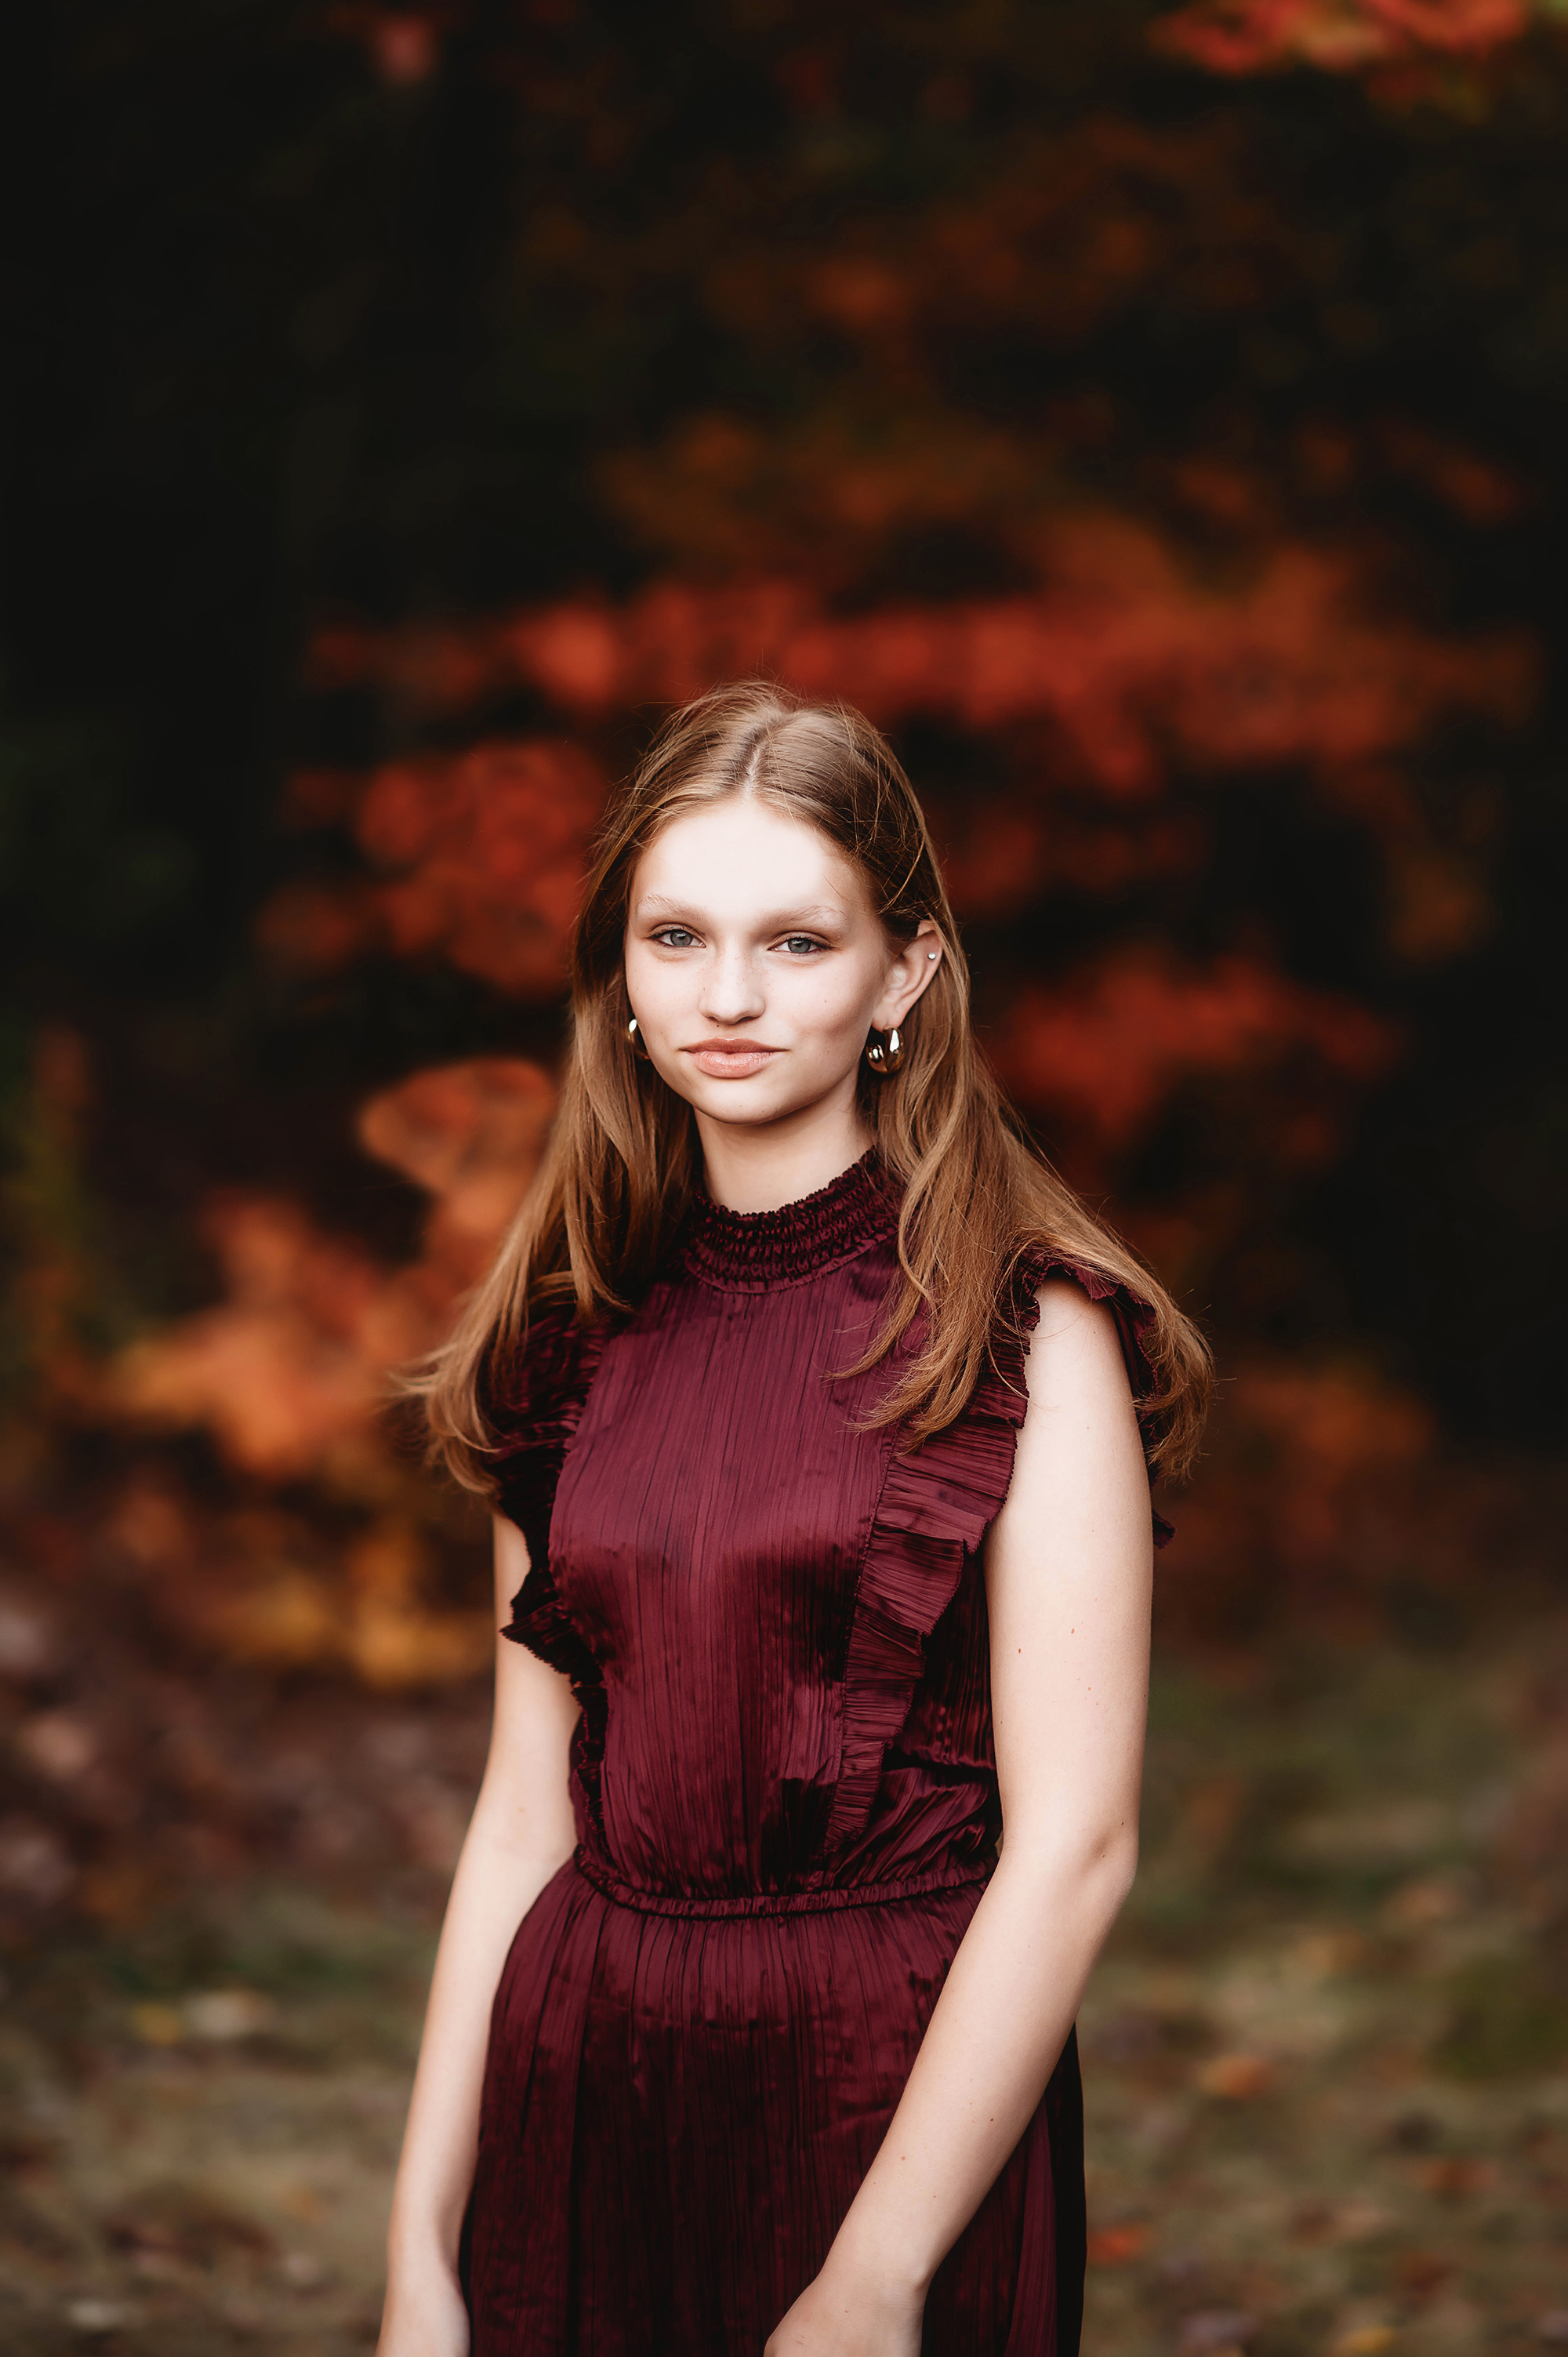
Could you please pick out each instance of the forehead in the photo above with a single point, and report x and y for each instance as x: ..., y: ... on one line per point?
x: 740, y: 852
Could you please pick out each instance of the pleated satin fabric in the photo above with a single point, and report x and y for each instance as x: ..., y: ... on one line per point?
x: 786, y: 1805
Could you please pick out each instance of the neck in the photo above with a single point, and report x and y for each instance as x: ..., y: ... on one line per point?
x: 762, y: 1167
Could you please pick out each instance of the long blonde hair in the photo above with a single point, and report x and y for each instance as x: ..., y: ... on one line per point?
x: 624, y: 1159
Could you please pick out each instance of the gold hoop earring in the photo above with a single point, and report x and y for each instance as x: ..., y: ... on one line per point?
x: 639, y: 1044
x: 885, y: 1055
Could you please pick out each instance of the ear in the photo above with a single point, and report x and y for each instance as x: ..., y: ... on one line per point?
x: 909, y: 972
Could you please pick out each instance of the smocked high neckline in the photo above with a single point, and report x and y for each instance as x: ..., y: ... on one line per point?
x: 754, y: 1249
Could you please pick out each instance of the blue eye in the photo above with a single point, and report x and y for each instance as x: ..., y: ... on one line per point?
x: 798, y: 942
x: 675, y: 936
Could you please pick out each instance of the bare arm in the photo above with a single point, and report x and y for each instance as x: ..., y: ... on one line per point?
x: 1067, y: 1583
x: 520, y: 1833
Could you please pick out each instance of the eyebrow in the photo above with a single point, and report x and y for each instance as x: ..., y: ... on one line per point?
x: 779, y: 920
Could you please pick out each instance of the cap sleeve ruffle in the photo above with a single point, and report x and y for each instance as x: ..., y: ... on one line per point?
x: 535, y: 1402
x: 937, y: 1505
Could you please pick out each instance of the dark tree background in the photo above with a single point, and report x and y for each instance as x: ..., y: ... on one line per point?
x: 342, y: 313
x: 1153, y: 417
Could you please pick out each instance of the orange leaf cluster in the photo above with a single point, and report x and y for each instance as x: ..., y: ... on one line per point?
x: 1242, y: 36
x: 1126, y: 653
x: 402, y: 45
x: 290, y: 1372
x: 480, y: 857
x: 471, y: 1135
x: 287, y: 1371
x: 1334, y: 1423
x: 1068, y: 234
x: 1320, y: 1482
x: 1114, y: 2246
x: 723, y: 494
x: 1000, y: 853
x: 1111, y: 1049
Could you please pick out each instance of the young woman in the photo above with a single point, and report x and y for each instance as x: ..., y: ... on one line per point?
x: 816, y: 1413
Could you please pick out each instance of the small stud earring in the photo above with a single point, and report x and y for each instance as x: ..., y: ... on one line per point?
x: 639, y: 1044
x: 930, y: 954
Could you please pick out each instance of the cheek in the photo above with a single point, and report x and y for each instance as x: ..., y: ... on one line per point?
x: 653, y: 982
x: 831, y: 999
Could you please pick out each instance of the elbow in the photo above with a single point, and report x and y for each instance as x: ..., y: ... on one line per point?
x: 1119, y: 1867
x: 1105, y: 1871
x: 1109, y: 1868
x: 1093, y: 1875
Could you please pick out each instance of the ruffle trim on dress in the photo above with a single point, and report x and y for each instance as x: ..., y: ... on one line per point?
x: 935, y: 1507
x: 535, y: 1418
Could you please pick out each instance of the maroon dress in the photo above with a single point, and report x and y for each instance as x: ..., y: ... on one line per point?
x: 786, y: 1804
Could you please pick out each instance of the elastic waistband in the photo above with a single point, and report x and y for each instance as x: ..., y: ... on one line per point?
x: 772, y: 1902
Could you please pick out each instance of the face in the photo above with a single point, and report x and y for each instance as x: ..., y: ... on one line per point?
x: 756, y: 965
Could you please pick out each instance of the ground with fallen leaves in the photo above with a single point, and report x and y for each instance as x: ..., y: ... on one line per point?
x: 1326, y: 2054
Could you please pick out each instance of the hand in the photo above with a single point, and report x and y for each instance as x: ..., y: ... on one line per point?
x: 425, y: 2314
x: 844, y: 2314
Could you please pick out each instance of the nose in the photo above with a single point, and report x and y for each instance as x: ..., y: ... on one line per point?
x: 732, y: 991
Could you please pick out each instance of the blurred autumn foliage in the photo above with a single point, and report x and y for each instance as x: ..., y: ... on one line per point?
x: 1150, y: 415
x: 291, y: 1371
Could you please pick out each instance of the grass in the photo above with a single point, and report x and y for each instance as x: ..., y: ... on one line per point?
x: 1328, y: 2048
x: 1326, y: 2053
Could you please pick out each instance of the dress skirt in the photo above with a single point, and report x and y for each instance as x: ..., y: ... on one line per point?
x: 680, y: 2106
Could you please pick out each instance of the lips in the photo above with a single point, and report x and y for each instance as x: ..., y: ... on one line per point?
x: 730, y: 1059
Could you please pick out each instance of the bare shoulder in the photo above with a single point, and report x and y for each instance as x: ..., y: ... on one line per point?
x: 1078, y: 1498
x: 1076, y: 1341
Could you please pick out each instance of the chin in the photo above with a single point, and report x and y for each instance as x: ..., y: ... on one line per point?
x: 746, y: 1106
x: 734, y: 1100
